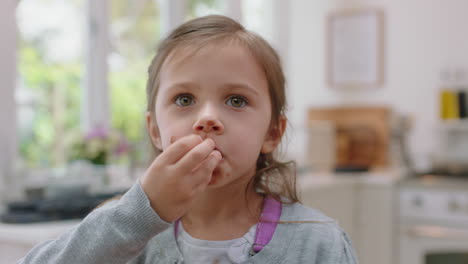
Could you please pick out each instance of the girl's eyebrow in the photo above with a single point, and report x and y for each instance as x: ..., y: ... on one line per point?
x: 225, y: 87
x: 183, y: 86
x: 240, y: 86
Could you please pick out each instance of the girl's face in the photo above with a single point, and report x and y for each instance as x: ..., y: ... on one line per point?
x: 222, y: 93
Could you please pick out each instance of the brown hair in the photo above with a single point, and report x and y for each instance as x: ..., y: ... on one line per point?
x: 272, y: 177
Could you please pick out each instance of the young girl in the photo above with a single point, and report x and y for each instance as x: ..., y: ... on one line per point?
x: 215, y: 193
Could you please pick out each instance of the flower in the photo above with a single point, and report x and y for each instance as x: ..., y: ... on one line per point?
x: 98, y: 145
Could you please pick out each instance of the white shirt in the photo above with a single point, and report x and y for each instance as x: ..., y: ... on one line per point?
x: 197, y: 251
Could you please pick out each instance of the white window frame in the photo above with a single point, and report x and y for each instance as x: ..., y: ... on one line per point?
x: 281, y: 18
x: 95, y: 110
x: 96, y: 101
x: 173, y: 13
x: 8, y: 147
x: 95, y: 106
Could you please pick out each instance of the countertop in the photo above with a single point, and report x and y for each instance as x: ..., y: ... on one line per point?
x: 377, y: 177
x: 435, y: 182
x: 33, y: 233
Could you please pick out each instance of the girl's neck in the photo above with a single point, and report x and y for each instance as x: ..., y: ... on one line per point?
x: 223, y: 214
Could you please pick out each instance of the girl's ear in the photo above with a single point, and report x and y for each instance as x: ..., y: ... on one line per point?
x: 153, y: 131
x: 274, y: 136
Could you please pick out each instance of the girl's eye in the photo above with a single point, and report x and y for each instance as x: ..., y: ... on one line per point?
x: 237, y: 101
x: 184, y: 100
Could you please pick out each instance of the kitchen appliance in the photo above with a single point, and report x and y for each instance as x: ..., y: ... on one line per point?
x: 433, y: 221
x: 361, y: 135
x: 63, y: 207
x: 321, y: 145
x: 451, y: 154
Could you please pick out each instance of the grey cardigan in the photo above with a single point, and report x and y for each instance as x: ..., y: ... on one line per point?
x: 129, y: 231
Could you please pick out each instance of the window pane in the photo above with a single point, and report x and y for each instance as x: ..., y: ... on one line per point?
x: 197, y: 8
x: 134, y: 30
x: 257, y: 17
x: 50, y: 61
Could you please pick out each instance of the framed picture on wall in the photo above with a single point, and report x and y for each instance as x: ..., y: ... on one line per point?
x: 355, y: 48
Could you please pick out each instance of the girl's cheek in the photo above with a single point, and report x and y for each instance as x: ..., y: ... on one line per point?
x: 173, y: 139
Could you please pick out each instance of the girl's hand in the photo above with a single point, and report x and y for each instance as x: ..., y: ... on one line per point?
x: 178, y: 174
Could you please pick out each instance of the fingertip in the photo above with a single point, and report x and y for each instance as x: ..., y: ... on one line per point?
x: 198, y: 138
x: 211, y: 141
x: 217, y: 155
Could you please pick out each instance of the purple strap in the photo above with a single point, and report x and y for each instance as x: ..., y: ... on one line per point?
x: 266, y: 226
x: 268, y: 221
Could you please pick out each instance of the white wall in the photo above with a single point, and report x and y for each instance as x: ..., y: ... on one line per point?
x: 421, y: 38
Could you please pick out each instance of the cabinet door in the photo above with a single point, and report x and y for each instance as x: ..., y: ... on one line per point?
x: 336, y: 200
x: 375, y: 224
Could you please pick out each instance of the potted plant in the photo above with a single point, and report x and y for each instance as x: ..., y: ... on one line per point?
x: 98, y: 147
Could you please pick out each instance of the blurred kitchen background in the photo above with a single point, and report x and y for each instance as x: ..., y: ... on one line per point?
x: 377, y: 113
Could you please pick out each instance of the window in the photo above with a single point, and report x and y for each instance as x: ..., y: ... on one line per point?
x: 257, y: 17
x: 51, y: 65
x: 134, y: 33
x: 197, y: 8
x: 50, y: 68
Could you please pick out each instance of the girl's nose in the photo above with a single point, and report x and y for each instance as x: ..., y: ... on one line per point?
x: 208, y: 124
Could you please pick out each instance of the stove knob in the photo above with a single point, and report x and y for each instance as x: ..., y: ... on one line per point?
x: 417, y: 201
x: 454, y: 206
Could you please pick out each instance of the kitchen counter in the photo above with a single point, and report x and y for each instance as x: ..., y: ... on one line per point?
x: 436, y: 182
x: 17, y: 239
x: 377, y: 177
x: 35, y: 232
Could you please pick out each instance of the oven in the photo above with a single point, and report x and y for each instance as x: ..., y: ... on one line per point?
x: 433, y: 222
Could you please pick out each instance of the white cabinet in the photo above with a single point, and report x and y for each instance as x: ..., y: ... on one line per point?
x: 362, y: 204
x: 335, y: 199
x: 375, y: 223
